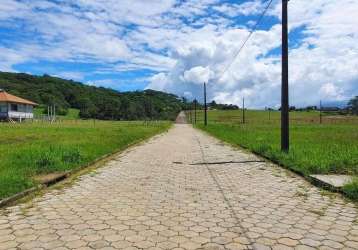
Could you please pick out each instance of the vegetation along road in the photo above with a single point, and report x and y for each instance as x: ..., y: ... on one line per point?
x: 28, y: 150
x: 327, y: 148
x: 182, y: 190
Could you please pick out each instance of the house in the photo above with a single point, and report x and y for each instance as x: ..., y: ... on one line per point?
x: 15, y: 108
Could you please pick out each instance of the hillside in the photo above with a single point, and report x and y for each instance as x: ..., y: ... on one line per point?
x: 93, y: 102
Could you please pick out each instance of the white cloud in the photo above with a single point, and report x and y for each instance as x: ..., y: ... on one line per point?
x: 159, y: 82
x: 10, y: 57
x: 71, y: 75
x: 197, y: 75
x: 330, y: 91
x: 246, y: 8
x: 189, y: 42
x: 322, y: 65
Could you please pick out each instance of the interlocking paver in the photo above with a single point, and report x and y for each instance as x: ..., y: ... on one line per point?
x: 151, y: 197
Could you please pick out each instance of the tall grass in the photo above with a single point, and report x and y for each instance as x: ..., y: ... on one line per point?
x: 31, y: 149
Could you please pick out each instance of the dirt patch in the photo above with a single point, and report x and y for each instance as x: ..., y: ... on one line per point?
x: 48, y: 179
x: 181, y: 118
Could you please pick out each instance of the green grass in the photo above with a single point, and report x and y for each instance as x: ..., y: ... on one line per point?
x: 331, y: 147
x: 31, y: 149
x: 351, y: 189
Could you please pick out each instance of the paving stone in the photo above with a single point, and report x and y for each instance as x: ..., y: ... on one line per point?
x: 335, y: 181
x: 143, y: 200
x: 310, y: 242
x: 121, y: 244
x: 288, y: 241
x: 8, y: 245
x: 76, y: 244
x: 303, y: 247
x: 100, y: 244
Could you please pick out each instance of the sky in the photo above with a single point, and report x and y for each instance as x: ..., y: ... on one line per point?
x: 176, y: 45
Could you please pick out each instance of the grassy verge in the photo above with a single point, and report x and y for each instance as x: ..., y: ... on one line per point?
x: 31, y: 149
x: 315, y: 148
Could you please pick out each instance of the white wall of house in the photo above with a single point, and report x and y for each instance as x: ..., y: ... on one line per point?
x: 16, y: 111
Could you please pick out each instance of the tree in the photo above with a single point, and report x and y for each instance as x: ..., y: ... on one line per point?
x: 353, y: 105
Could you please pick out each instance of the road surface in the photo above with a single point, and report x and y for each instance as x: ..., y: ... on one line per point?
x: 183, y: 190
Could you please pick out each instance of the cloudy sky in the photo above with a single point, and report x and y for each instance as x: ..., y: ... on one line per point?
x: 176, y: 45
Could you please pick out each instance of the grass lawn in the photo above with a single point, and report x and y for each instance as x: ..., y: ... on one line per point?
x: 331, y: 147
x: 31, y: 149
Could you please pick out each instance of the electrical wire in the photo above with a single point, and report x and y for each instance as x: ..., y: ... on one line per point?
x: 247, y: 38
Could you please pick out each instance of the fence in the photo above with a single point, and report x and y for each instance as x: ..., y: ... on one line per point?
x: 271, y: 117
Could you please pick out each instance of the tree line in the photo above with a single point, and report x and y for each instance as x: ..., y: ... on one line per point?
x: 93, y: 102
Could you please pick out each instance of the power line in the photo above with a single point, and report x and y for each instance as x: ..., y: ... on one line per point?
x: 247, y: 38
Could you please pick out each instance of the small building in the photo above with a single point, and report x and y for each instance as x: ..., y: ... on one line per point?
x: 15, y: 108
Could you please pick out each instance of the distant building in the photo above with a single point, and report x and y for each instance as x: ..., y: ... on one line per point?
x: 15, y: 108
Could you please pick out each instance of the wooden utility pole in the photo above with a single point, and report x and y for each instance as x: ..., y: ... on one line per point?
x: 54, y: 112
x: 243, y: 110
x: 320, y: 112
x: 195, y: 111
x: 285, y: 139
x: 269, y: 110
x: 205, y: 107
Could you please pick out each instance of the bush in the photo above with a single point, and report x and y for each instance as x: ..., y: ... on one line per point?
x: 351, y: 189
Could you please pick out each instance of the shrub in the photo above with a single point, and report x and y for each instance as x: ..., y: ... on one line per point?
x: 351, y: 189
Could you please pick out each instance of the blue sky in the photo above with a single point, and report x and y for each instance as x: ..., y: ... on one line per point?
x: 175, y: 45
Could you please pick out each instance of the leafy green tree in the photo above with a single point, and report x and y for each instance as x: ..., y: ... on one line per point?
x: 94, y: 102
x: 353, y: 105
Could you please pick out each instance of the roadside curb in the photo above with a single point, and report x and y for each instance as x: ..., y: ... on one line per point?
x: 18, y: 196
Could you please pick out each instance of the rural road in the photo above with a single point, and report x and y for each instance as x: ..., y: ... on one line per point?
x: 183, y: 190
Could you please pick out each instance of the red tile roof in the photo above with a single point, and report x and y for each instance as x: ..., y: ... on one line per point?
x: 6, y: 97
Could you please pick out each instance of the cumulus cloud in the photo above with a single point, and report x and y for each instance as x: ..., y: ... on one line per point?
x: 246, y: 8
x: 197, y: 75
x: 184, y: 43
x: 323, y: 61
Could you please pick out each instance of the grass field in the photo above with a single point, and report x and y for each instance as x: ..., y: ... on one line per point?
x: 31, y: 149
x: 330, y: 147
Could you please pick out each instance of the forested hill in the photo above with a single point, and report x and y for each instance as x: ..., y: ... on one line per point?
x: 93, y: 102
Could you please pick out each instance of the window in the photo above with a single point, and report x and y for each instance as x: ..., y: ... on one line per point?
x: 21, y: 108
x: 13, y: 107
x: 3, y: 107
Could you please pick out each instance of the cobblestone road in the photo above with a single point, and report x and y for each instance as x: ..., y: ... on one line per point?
x: 162, y: 195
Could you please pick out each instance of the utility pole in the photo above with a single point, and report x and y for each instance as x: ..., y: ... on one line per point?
x: 320, y: 112
x: 269, y: 110
x: 243, y: 110
x: 195, y: 111
x: 285, y: 139
x: 191, y: 115
x: 205, y: 107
